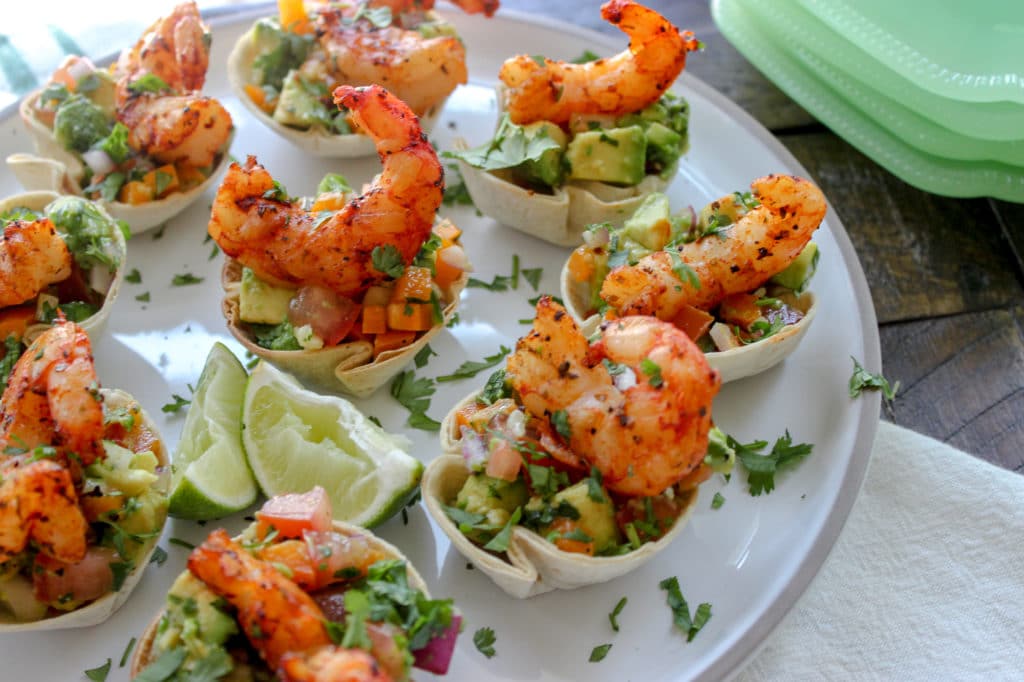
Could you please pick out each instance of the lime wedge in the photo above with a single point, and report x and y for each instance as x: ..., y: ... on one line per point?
x: 296, y: 439
x: 210, y: 476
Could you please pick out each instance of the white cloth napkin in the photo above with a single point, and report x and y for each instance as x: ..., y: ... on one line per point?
x: 925, y: 582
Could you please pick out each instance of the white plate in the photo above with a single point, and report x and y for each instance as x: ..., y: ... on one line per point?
x: 750, y: 559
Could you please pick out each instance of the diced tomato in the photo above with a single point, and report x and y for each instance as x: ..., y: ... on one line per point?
x: 504, y: 462
x: 91, y: 578
x: 693, y: 321
x: 331, y: 316
x: 414, y: 285
x: 294, y: 513
x: 447, y: 231
x: 15, y: 319
x: 382, y: 343
x: 740, y: 309
x: 581, y: 264
x: 375, y: 319
x: 410, y: 317
x: 565, y: 526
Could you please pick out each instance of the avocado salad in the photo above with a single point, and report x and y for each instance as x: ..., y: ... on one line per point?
x: 92, y: 239
x: 740, y: 319
x: 79, y: 106
x: 292, y: 74
x: 617, y: 150
x: 390, y: 315
x: 123, y: 499
x: 568, y: 507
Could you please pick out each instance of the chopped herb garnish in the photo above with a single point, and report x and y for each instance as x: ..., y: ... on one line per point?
x: 164, y: 667
x: 681, y: 610
x: 499, y: 283
x: 540, y: 59
x: 214, y: 252
x: 148, y: 83
x: 587, y: 56
x: 455, y: 191
x: 414, y: 395
x: 143, y: 297
x: 533, y: 275
x: 717, y: 501
x: 182, y: 543
x: 484, y: 640
x: 683, y: 271
x: 653, y: 372
x: 387, y: 260
x: 599, y: 652
x: 863, y: 380
x: 761, y: 469
x: 471, y: 368
x: 614, y: 615
x: 127, y: 652
x: 99, y: 674
x: 510, y: 147
x: 499, y: 543
x: 185, y: 280
x: 595, y: 486
x: 134, y: 277
x: 536, y: 299
x: 174, y: 407
x: 375, y: 420
x: 560, y: 420
x: 120, y: 569
x: 423, y: 356
x: 159, y: 556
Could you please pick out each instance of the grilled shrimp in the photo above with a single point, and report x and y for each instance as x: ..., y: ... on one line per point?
x: 38, y: 502
x: 321, y: 559
x: 274, y: 612
x: 644, y: 431
x: 332, y: 664
x: 487, y: 7
x: 52, y: 396
x: 182, y: 126
x: 32, y: 257
x: 286, y: 244
x: 420, y: 71
x: 744, y: 256
x: 622, y: 84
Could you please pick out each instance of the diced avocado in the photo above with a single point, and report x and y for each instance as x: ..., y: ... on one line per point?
x: 299, y: 105
x: 116, y: 471
x: 146, y: 461
x: 547, y: 170
x: 597, y: 519
x: 277, y: 52
x: 436, y: 29
x: 192, y: 619
x: 616, y: 156
x: 79, y: 124
x: 494, y: 498
x: 719, y: 213
x: 798, y: 275
x: 649, y: 225
x: 103, y: 91
x: 664, y: 147
x: 266, y: 36
x: 261, y: 302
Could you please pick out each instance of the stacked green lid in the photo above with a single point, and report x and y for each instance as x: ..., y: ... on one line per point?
x: 934, y: 92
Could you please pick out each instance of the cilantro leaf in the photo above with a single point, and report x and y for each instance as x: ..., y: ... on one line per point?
x: 495, y: 389
x: 653, y: 372
x: 614, y: 615
x: 414, y: 395
x: 143, y: 297
x: 471, y: 368
x: 134, y: 277
x: 162, y: 668
x: 185, y: 279
x: 455, y: 192
x: 148, y: 83
x: 121, y: 569
x: 175, y: 407
x: 560, y: 420
x: 159, y: 556
x: 683, y: 271
x: 484, y: 640
x: 276, y: 336
x: 533, y: 275
x: 761, y: 469
x: 681, y: 610
x: 127, y: 652
x: 717, y: 501
x: 863, y: 380
x: 423, y: 356
x: 116, y: 143
x: 510, y: 147
x: 99, y: 674
x: 499, y: 543
x: 595, y: 486
x: 333, y: 182
x: 387, y: 260
x: 586, y: 56
x: 599, y: 652
x: 499, y: 283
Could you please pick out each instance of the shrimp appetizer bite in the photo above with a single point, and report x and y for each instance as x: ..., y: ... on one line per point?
x: 343, y: 291
x: 583, y: 143
x: 580, y: 460
x: 285, y: 69
x: 137, y: 137
x: 83, y: 495
x: 299, y: 598
x: 734, y: 277
x: 58, y: 256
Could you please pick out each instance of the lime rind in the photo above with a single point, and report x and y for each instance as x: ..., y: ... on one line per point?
x: 211, y: 477
x: 296, y: 439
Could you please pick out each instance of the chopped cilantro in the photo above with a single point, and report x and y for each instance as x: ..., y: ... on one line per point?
x: 560, y: 420
x: 499, y: 283
x: 595, y: 486
x: 164, y: 667
x: 134, y: 277
x: 495, y: 389
x: 185, y: 280
x: 127, y: 652
x: 471, y: 368
x: 499, y: 543
x: 484, y: 640
x: 174, y: 407
x: 717, y: 501
x: 387, y: 260
x: 614, y: 615
x: 333, y: 182
x: 182, y: 543
x: 148, y: 83
x: 681, y: 610
x: 586, y: 56
x: 423, y: 356
x: 414, y: 395
x: 863, y: 380
x: 533, y: 275
x: 159, y: 556
x: 455, y: 192
x: 683, y: 271
x: 143, y: 297
x: 99, y: 674
x: 121, y: 569
x: 653, y: 372
x: 510, y: 147
x: 116, y: 143
x: 599, y: 652
x: 761, y: 469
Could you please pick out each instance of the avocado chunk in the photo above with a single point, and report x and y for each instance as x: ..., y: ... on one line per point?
x: 103, y: 92
x: 277, y: 52
x: 664, y: 147
x: 597, y: 519
x: 617, y: 156
x: 650, y: 225
x: 546, y: 170
x: 299, y: 104
x: 798, y: 274
x: 261, y: 302
x: 193, y: 619
x: 493, y: 498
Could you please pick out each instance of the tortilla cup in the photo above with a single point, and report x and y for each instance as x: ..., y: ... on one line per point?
x: 559, y: 218
x: 100, y: 610
x: 346, y: 368
x: 55, y: 169
x: 315, y: 141
x: 734, y: 364
x: 97, y: 323
x: 143, y: 655
x: 532, y: 565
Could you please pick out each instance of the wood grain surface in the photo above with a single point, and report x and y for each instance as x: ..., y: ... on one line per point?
x: 946, y: 275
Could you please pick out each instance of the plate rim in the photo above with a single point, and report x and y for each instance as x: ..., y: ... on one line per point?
x: 753, y: 639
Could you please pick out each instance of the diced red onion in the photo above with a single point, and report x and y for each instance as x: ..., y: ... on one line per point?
x: 456, y: 257
x: 436, y: 656
x: 625, y: 380
x: 474, y: 449
x: 595, y: 238
x: 80, y: 68
x: 516, y: 424
x: 100, y: 278
x: 99, y: 161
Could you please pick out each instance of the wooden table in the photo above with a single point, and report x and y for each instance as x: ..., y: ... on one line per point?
x: 946, y: 274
